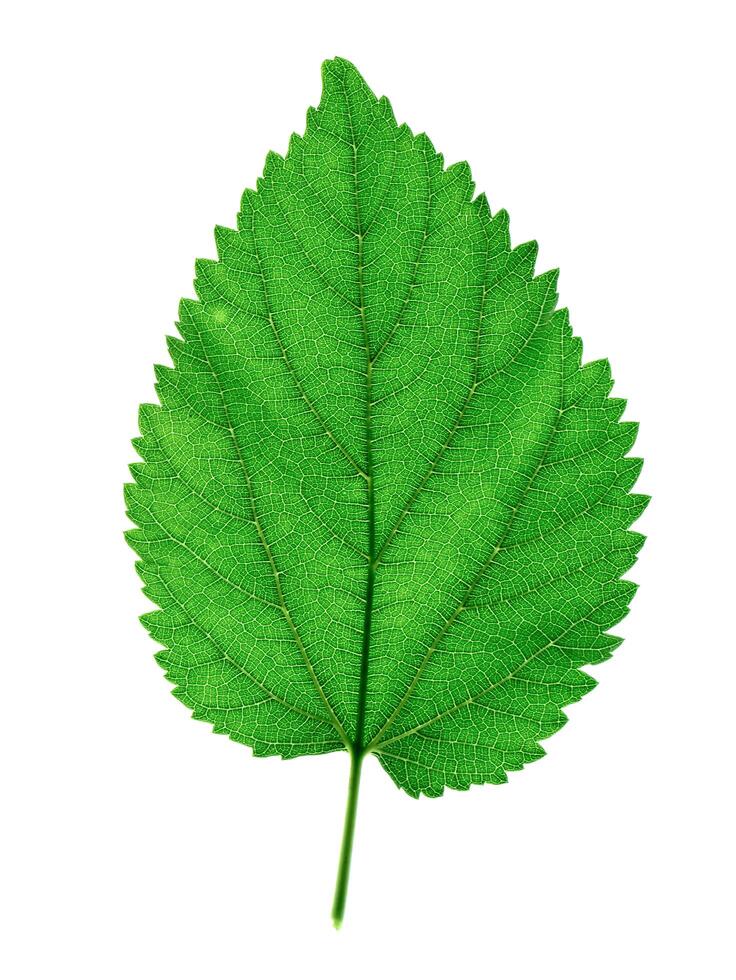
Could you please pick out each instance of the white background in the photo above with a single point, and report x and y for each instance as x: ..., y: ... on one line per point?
x: 137, y: 844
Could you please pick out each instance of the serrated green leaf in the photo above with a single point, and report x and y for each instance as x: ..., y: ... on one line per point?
x: 383, y: 507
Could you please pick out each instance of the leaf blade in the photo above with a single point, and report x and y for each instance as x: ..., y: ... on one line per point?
x: 381, y: 488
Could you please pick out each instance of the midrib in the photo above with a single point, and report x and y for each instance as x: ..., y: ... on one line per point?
x: 371, y: 550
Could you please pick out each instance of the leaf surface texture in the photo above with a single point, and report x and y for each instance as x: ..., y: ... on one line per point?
x: 382, y: 505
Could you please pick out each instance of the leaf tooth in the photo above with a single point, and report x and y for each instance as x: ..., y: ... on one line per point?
x: 585, y: 684
x: 225, y: 238
x: 405, y: 132
x: 573, y: 355
x: 202, y: 269
x: 591, y: 380
x: 637, y: 540
x: 639, y: 502
x: 628, y: 589
x: 163, y: 657
x: 272, y: 167
x: 617, y: 407
x: 549, y: 280
x: 334, y: 65
x: 550, y: 277
x: 343, y: 85
x: 137, y: 540
x: 130, y: 492
x: 175, y: 347
x: 527, y: 253
x: 155, y: 620
x: 388, y: 110
x: 501, y: 221
x: 483, y: 208
x: 460, y: 171
x: 202, y: 277
x: 248, y: 203
x: 435, y: 160
x: 165, y: 383
x: 331, y: 72
x: 189, y: 310
x: 603, y: 366
x: 312, y: 120
x: 424, y: 144
x: 499, y: 235
x: 614, y: 642
x: 147, y: 415
x: 163, y: 374
x: 631, y: 471
x: 139, y: 444
x: 628, y: 431
x: 343, y: 71
x: 296, y: 146
x: 148, y: 590
x: 274, y: 164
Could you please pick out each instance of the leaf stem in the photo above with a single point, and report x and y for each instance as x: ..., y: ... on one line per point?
x: 346, y: 849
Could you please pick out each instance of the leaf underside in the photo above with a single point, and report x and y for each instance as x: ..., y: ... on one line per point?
x: 374, y: 385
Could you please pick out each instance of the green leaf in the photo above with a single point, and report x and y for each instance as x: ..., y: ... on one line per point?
x: 382, y: 507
